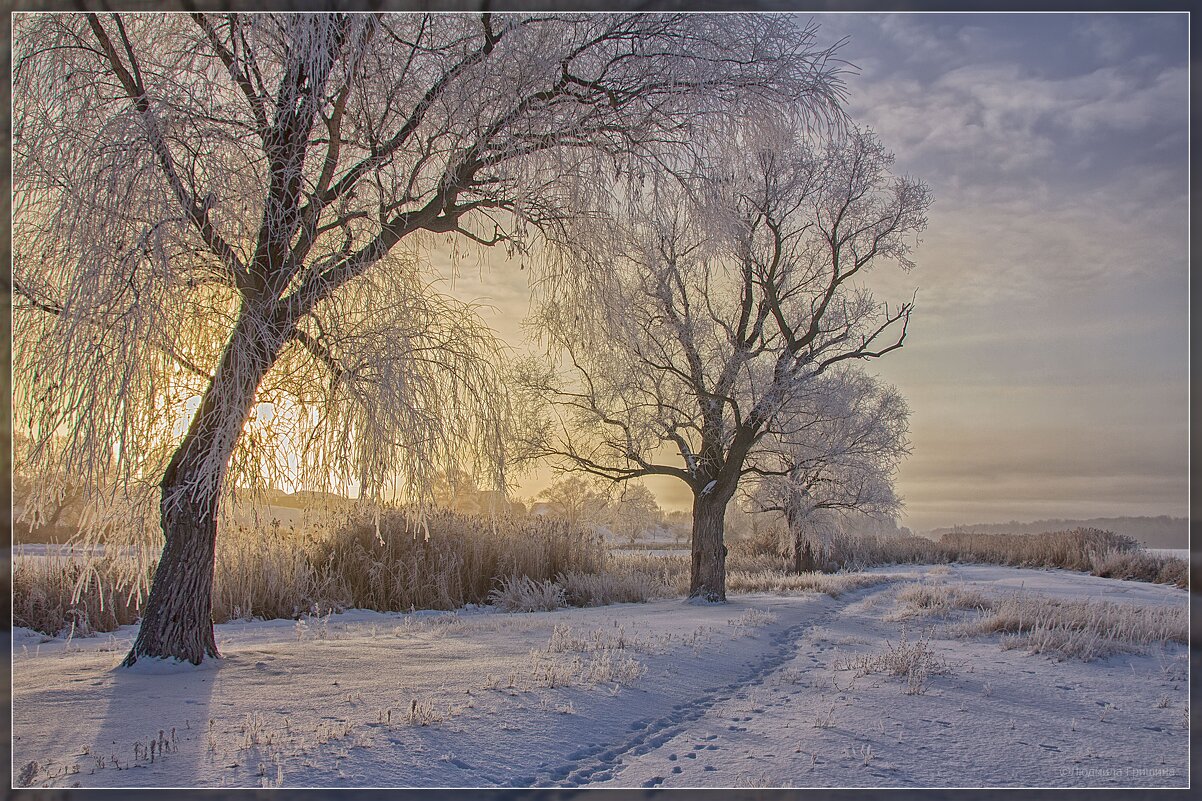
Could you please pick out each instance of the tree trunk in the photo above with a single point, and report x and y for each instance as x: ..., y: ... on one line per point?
x: 707, y: 579
x: 178, y: 619
x: 803, y: 555
x: 803, y: 552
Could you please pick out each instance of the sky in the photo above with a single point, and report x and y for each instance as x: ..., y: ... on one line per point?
x: 1046, y: 366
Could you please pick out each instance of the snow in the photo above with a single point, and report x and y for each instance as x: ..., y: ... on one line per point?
x: 634, y: 695
x: 1176, y: 553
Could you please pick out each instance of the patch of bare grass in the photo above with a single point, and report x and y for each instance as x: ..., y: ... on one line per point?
x: 941, y: 600
x: 1083, y: 630
x: 833, y: 584
x: 914, y: 661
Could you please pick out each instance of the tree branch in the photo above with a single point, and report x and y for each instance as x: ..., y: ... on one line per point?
x: 196, y: 211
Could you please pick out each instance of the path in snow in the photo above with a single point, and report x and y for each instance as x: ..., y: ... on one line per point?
x: 636, y: 695
x: 998, y: 718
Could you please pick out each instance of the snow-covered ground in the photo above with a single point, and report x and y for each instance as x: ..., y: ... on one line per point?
x: 758, y: 692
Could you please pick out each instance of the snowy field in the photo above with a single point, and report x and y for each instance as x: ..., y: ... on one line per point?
x: 765, y: 691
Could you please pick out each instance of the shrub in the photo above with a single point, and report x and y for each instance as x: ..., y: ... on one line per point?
x: 766, y: 541
x: 523, y: 594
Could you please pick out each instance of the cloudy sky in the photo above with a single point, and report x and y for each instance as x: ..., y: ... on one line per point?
x: 1047, y: 362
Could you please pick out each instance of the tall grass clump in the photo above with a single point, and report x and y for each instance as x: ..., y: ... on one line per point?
x: 1141, y: 566
x: 627, y: 578
x: 1089, y: 550
x: 1084, y: 629
x: 524, y: 594
x: 395, y: 561
x: 445, y: 560
x: 269, y: 572
x: 1071, y: 550
x: 75, y: 592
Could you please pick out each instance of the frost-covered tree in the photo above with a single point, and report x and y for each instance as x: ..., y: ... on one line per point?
x: 226, y: 217
x: 577, y: 500
x: 836, y: 449
x: 733, y: 294
x: 633, y: 512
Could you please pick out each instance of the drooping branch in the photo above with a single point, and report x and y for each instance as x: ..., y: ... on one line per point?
x: 195, y: 208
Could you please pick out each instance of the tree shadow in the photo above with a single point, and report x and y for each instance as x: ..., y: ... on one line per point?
x: 157, y: 714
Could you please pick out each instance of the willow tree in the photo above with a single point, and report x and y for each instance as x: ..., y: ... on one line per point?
x: 735, y: 291
x: 233, y: 211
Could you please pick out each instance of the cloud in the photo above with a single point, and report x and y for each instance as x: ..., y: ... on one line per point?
x: 1106, y: 35
x: 1009, y: 99
x: 1000, y: 118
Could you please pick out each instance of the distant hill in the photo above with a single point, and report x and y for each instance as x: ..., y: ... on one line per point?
x: 1152, y: 532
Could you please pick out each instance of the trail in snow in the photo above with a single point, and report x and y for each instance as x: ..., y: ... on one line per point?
x: 997, y: 718
x: 649, y: 734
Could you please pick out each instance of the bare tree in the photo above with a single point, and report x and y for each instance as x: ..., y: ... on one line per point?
x: 634, y: 512
x: 734, y: 294
x: 579, y: 501
x: 837, y: 449
x: 227, y: 216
